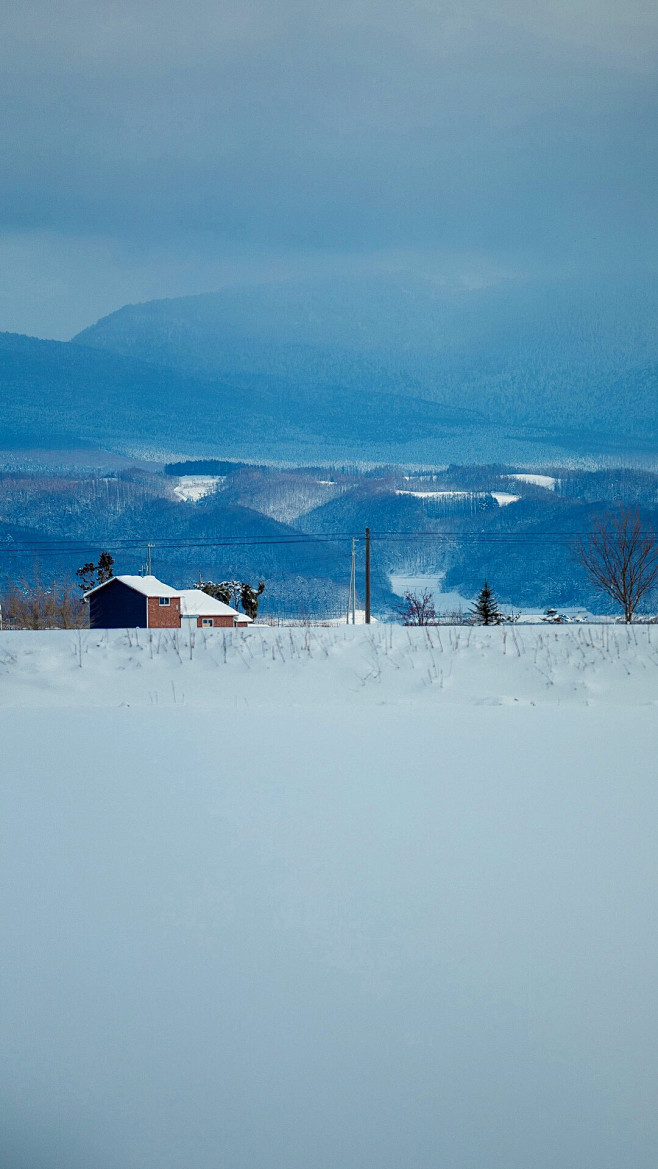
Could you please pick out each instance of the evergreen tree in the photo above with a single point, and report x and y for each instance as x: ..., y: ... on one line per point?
x: 92, y: 574
x: 250, y: 598
x: 104, y: 569
x: 485, y: 611
x: 227, y: 591
x: 234, y: 593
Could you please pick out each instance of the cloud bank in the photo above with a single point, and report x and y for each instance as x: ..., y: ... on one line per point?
x: 155, y: 148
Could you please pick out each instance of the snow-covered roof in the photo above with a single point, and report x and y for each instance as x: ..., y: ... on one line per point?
x: 196, y: 603
x: 149, y: 586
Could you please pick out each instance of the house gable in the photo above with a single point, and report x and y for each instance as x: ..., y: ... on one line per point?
x: 116, y: 606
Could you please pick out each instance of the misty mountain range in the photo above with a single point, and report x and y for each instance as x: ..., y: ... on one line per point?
x: 373, y: 367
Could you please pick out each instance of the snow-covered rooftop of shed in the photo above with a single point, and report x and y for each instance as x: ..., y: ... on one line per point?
x: 196, y: 603
x: 149, y: 586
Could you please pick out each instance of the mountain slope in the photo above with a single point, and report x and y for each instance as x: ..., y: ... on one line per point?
x: 577, y: 359
x: 57, y: 393
x: 52, y: 392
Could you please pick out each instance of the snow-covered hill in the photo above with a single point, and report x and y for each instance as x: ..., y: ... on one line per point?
x: 311, y: 898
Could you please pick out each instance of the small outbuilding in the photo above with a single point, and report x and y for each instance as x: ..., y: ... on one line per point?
x: 205, y: 612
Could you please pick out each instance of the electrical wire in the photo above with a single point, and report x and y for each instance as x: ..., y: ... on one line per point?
x: 61, y: 546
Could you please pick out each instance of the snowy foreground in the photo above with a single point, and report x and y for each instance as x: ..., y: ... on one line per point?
x: 330, y: 899
x: 342, y: 666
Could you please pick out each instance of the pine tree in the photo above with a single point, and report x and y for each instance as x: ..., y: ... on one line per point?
x: 250, y: 598
x: 104, y: 568
x: 485, y: 611
x: 92, y: 574
x: 227, y: 591
x: 235, y: 593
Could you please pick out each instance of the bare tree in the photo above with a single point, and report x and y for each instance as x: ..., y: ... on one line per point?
x: 37, y: 606
x: 418, y: 610
x: 620, y: 555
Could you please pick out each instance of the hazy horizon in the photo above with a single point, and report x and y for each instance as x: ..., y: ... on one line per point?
x: 154, y: 151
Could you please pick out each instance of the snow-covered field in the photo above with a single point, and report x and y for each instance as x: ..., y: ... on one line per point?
x: 192, y: 488
x: 334, y: 898
x: 341, y: 666
x: 548, y: 482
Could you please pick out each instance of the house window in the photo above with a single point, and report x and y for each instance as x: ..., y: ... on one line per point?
x: 207, y: 621
x: 164, y: 600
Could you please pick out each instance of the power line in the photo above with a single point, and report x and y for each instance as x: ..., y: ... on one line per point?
x: 61, y: 546
x: 302, y: 538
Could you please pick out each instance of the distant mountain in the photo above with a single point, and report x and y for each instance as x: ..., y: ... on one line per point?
x: 571, y: 362
x: 372, y: 369
x: 53, y: 393
x: 59, y: 393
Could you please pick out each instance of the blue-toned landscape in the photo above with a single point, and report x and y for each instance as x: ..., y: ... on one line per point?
x: 328, y: 584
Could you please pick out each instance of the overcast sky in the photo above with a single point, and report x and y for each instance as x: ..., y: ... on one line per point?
x: 157, y: 148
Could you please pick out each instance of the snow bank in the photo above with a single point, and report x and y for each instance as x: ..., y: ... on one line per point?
x: 331, y: 666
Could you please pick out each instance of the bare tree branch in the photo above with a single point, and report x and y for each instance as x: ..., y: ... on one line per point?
x: 621, y: 558
x: 418, y: 610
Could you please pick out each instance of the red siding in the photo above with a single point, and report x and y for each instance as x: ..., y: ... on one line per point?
x: 163, y: 616
x: 218, y: 622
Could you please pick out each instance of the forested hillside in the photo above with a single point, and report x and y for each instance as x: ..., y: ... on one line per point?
x: 58, y: 393
x: 575, y: 359
x: 293, y: 528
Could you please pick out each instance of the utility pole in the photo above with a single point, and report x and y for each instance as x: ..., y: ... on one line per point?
x: 148, y: 559
x: 353, y: 580
x: 351, y: 600
x: 367, y: 576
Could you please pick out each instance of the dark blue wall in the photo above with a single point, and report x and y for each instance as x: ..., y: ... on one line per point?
x: 117, y: 607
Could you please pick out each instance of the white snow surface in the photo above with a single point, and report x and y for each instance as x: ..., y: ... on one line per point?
x: 149, y: 586
x: 547, y: 481
x: 346, y: 897
x: 439, y: 494
x: 196, y: 603
x: 192, y: 488
x: 343, y: 665
x: 503, y: 498
x: 423, y: 582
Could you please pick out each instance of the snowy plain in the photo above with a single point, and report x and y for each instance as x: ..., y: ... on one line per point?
x: 330, y: 898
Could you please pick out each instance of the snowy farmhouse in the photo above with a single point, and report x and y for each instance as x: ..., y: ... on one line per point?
x: 144, y: 602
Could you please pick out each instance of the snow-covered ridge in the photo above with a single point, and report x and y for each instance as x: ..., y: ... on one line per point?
x: 341, y: 666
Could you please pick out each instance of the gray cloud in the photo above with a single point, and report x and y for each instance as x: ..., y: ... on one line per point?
x: 224, y: 132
